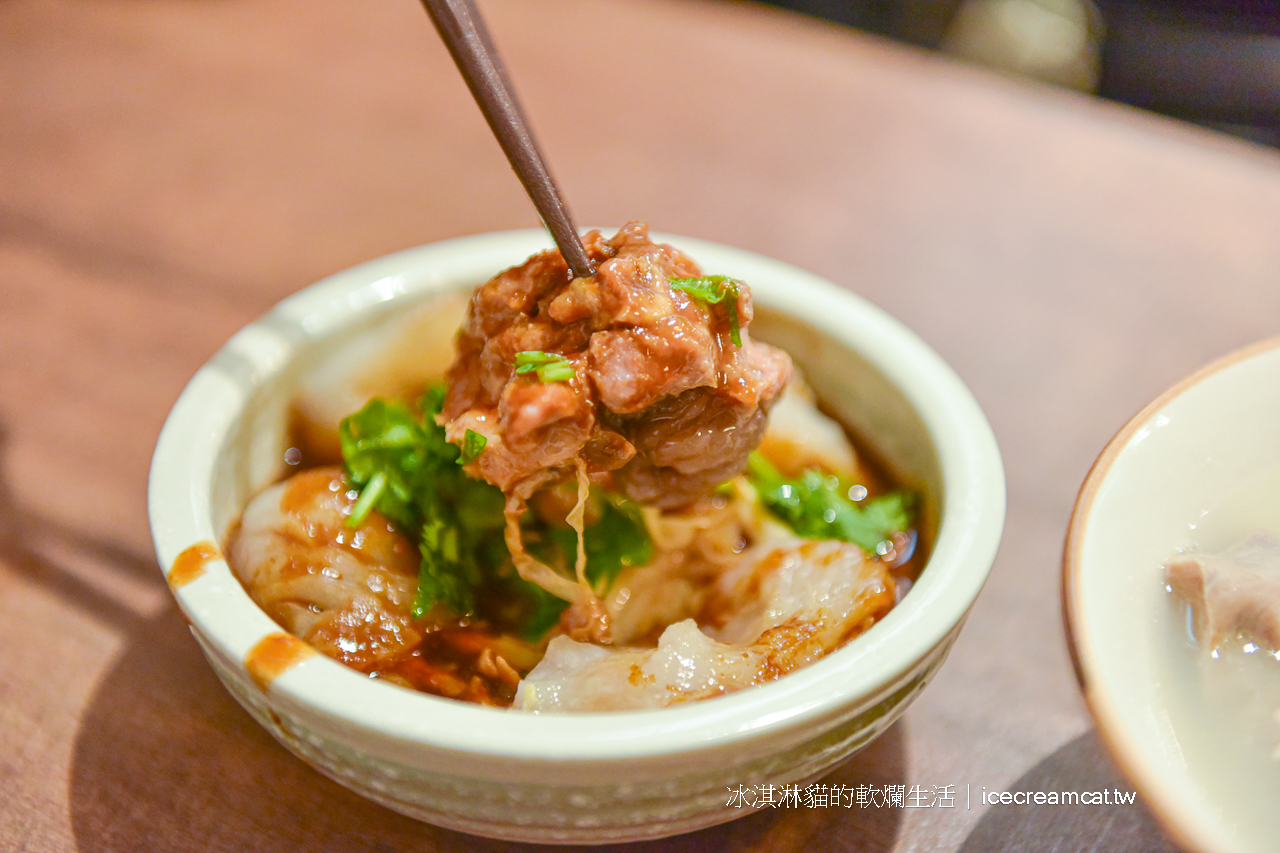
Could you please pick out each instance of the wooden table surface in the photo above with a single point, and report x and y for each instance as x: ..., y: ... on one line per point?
x: 169, y: 170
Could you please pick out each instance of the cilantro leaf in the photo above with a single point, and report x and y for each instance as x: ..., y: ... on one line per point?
x: 472, y: 446
x: 714, y: 290
x: 817, y: 506
x: 407, y: 470
x: 618, y: 538
x: 549, y: 366
x: 384, y: 449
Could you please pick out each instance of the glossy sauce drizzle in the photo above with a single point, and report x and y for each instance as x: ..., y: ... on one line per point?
x: 190, y: 563
x: 273, y: 655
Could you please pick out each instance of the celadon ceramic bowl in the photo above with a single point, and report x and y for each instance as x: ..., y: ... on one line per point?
x: 1197, y: 469
x: 575, y: 778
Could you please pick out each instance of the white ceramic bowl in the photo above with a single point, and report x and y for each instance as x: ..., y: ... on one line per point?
x: 579, y: 778
x: 1198, y: 467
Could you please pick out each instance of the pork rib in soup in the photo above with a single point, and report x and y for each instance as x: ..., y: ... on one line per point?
x: 1234, y: 593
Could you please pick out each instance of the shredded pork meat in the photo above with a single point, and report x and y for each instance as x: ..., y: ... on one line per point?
x: 1233, y: 593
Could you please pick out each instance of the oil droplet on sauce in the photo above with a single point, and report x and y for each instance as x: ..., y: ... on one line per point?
x: 271, y: 656
x: 190, y: 563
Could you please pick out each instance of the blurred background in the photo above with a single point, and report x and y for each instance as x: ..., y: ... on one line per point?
x: 1212, y: 62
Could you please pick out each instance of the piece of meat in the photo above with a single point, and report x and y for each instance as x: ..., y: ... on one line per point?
x: 659, y: 390
x: 784, y: 606
x: 1233, y: 593
x: 536, y: 428
x: 633, y: 367
x: 686, y: 445
x: 348, y: 593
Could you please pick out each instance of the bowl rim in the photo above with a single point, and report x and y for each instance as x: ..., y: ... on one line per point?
x: 1186, y: 830
x: 971, y: 519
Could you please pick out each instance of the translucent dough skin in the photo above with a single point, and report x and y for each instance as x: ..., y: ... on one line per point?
x: 786, y: 605
x: 347, y: 593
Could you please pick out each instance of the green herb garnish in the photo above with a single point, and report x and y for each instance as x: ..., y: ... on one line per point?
x: 817, y: 506
x: 617, y: 539
x: 385, y: 448
x: 406, y: 469
x: 472, y: 446
x: 550, y: 366
x: 714, y: 290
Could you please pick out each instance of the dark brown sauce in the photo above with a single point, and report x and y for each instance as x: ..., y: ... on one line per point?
x: 310, y: 445
x: 466, y: 661
x: 189, y: 565
x: 912, y: 547
x: 273, y: 655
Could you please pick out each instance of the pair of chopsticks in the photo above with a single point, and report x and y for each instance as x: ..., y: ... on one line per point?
x: 468, y: 40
